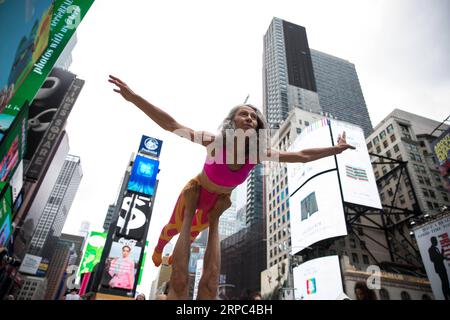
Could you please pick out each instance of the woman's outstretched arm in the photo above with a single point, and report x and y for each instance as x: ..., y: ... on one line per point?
x: 308, y: 155
x: 162, y: 118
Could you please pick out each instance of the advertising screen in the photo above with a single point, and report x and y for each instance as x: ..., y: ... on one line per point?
x: 441, y: 151
x: 47, y: 117
x: 355, y: 169
x: 16, y: 181
x: 434, y: 244
x: 121, y: 265
x: 38, y: 32
x: 5, y: 217
x: 93, y: 251
x: 317, y: 135
x: 28, y: 28
x: 133, y: 222
x: 317, y: 212
x: 144, y: 258
x: 12, y: 147
x: 45, y: 104
x: 150, y: 146
x: 143, y: 176
x: 318, y: 279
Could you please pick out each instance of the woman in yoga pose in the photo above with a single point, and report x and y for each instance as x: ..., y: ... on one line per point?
x: 232, y: 154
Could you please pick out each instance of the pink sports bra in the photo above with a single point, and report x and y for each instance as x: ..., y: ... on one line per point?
x: 222, y: 175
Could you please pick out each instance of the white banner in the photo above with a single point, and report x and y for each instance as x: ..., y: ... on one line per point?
x: 317, y: 212
x: 317, y: 135
x: 355, y: 169
x: 318, y: 279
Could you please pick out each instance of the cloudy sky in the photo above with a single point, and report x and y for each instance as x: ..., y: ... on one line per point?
x: 197, y: 59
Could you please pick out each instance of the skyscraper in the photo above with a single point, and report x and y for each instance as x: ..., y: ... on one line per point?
x: 300, y: 86
x: 296, y: 76
x: 109, y: 217
x: 229, y: 221
x: 339, y: 90
x: 56, y: 209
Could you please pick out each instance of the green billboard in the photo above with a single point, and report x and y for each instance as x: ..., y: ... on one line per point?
x: 93, y: 251
x: 12, y: 148
x: 38, y: 48
x: 5, y: 216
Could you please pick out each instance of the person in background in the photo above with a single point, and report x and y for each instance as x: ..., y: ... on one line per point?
x: 140, y: 296
x: 362, y: 292
x: 73, y: 295
x: 122, y: 270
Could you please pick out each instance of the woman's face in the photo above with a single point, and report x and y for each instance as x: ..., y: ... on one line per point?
x: 125, y: 252
x: 245, y: 118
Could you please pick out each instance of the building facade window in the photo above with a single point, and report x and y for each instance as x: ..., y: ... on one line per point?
x: 390, y: 128
x: 405, y: 295
x: 384, y: 294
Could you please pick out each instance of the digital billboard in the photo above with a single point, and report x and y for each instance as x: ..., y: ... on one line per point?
x: 121, y: 267
x: 45, y: 104
x: 150, y: 146
x: 441, y: 151
x: 5, y: 217
x: 434, y: 244
x: 12, y: 147
x: 143, y: 176
x: 355, y: 168
x: 318, y: 279
x: 16, y: 181
x: 38, y: 32
x: 317, y: 135
x: 28, y: 28
x: 93, y: 251
x: 134, y: 216
x: 144, y: 257
x: 47, y: 118
x: 317, y: 212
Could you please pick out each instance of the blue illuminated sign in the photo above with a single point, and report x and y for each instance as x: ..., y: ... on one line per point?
x: 143, y: 176
x: 150, y: 146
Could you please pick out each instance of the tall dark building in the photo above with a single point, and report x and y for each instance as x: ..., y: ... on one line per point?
x: 109, y: 217
x: 296, y: 76
x: 244, y: 253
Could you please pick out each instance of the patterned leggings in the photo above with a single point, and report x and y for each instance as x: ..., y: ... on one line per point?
x: 206, y: 202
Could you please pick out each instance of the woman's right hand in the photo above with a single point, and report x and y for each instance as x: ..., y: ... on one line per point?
x: 124, y: 90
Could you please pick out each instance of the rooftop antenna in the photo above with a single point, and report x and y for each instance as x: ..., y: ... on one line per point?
x: 246, y: 99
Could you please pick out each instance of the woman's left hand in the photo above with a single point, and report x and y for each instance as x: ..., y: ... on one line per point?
x: 342, y: 143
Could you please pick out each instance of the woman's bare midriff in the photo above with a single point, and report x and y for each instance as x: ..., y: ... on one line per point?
x: 211, y: 186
